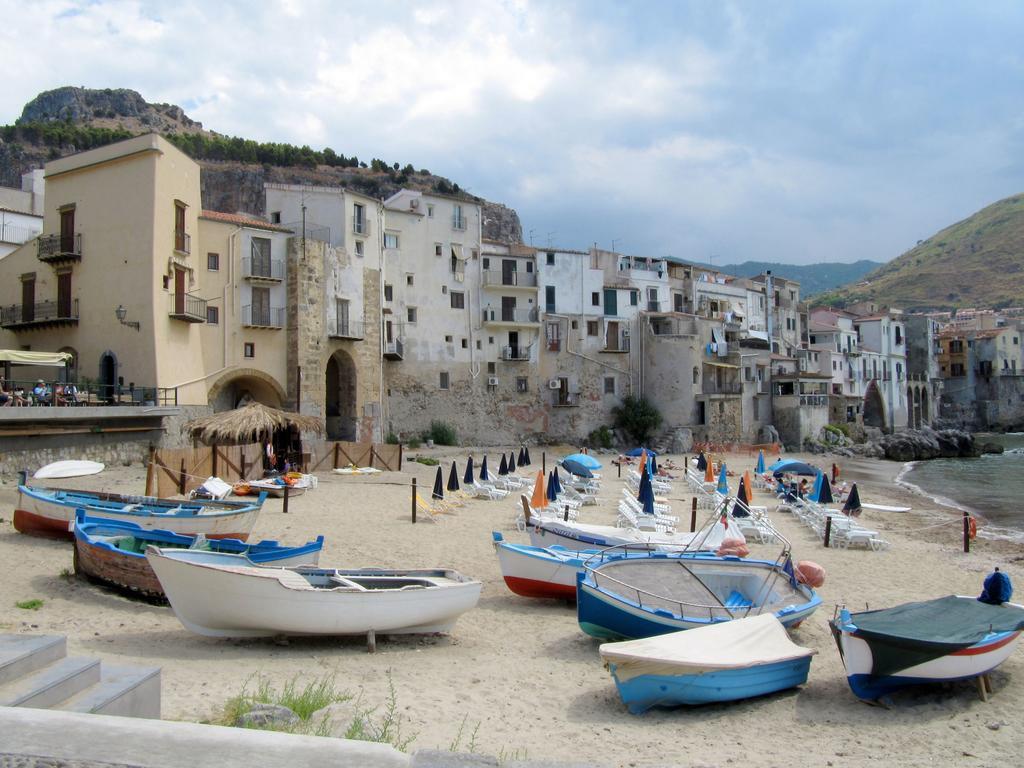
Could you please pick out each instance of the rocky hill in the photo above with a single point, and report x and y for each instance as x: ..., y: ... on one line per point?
x: 813, y: 278
x: 67, y: 120
x: 977, y: 262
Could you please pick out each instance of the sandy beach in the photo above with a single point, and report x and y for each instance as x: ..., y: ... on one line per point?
x: 519, y: 672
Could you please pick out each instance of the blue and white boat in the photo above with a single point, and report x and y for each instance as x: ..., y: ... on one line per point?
x: 113, y: 551
x: 950, y: 638
x: 727, y: 661
x: 624, y: 598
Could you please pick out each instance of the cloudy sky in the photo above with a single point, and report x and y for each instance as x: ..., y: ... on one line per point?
x: 790, y: 131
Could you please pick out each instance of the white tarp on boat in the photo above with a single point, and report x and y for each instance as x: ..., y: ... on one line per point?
x: 728, y: 645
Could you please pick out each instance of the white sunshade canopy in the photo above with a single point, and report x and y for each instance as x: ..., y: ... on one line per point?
x: 20, y: 357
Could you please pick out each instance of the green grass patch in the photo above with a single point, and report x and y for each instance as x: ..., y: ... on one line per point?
x: 427, y: 461
x: 30, y: 605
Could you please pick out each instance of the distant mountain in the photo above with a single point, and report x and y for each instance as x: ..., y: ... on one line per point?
x: 813, y: 278
x: 976, y: 262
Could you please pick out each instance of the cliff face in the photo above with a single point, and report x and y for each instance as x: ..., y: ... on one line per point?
x: 226, y: 186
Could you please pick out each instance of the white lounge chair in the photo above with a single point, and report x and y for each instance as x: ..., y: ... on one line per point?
x: 484, y: 491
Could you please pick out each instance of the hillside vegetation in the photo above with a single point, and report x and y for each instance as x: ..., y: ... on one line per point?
x: 813, y: 278
x: 977, y: 262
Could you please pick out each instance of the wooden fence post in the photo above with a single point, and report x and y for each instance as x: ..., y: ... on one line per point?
x: 967, y: 533
x: 149, y: 471
x: 828, y: 530
x: 336, y: 449
x: 181, y: 479
x: 693, y: 515
x: 414, y: 501
x: 544, y: 462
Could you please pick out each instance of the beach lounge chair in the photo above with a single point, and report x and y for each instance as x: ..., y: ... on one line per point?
x: 483, y: 491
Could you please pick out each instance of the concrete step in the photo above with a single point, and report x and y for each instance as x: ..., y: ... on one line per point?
x: 52, y: 684
x: 23, y: 654
x: 123, y: 691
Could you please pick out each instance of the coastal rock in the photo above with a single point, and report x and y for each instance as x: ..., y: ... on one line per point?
x: 868, y: 450
x: 872, y: 434
x: 990, y: 448
x: 268, y: 716
x: 926, y: 443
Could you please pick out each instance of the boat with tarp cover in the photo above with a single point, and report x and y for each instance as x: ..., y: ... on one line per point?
x: 721, y: 662
x: 950, y: 638
x: 113, y: 552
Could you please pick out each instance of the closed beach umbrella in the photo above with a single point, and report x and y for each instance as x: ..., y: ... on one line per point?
x: 702, y: 462
x: 503, y: 466
x: 438, y: 492
x: 467, y: 479
x: 742, y: 494
x: 556, y: 481
x: 723, y: 482
x: 824, y: 495
x: 540, y: 498
x: 522, y: 456
x: 750, y: 485
x: 852, y: 505
x: 646, y: 495
x: 453, y: 478
x: 709, y: 472
x: 483, y: 469
x: 511, y: 461
x: 759, y: 468
x: 643, y: 459
x: 654, y: 465
x: 552, y: 492
x: 526, y: 451
x: 817, y: 487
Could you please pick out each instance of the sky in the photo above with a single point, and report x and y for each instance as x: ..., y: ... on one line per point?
x: 711, y: 131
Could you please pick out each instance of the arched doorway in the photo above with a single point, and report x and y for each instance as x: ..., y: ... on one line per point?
x: 925, y: 416
x: 915, y: 406
x: 108, y: 376
x: 245, y: 387
x: 874, y: 407
x: 340, y: 400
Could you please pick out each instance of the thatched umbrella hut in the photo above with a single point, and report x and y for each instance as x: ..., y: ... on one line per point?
x: 250, y: 423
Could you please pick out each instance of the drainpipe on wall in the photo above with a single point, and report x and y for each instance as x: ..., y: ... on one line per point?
x: 380, y: 313
x: 474, y: 367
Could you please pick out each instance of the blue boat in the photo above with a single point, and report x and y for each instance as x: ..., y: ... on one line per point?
x: 113, y: 551
x: 624, y: 598
x: 720, y: 662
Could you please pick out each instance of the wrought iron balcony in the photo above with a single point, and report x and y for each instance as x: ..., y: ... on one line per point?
x: 725, y: 388
x: 393, y: 350
x: 261, y: 269
x: 182, y: 241
x: 347, y: 329
x: 510, y: 315
x: 262, y: 317
x: 60, y: 248
x: 516, y: 353
x: 565, y: 399
x: 510, y: 279
x: 187, y: 307
x: 42, y: 314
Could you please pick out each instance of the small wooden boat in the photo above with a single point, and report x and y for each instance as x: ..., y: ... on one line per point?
x: 951, y: 638
x: 627, y: 597
x: 222, y: 595
x: 720, y: 662
x: 50, y: 512
x: 71, y: 468
x: 546, y: 572
x: 112, y: 551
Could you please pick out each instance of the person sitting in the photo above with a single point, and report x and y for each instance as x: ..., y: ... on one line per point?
x: 5, y: 398
x: 18, y: 397
x: 42, y: 394
x: 67, y: 394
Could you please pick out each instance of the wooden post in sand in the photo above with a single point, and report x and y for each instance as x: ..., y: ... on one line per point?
x: 828, y: 530
x: 619, y: 464
x: 967, y: 533
x: 414, y: 501
x: 181, y: 479
x: 284, y: 509
x: 693, y: 515
x: 544, y: 462
x: 149, y: 472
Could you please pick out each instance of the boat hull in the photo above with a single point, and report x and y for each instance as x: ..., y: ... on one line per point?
x: 538, y: 573
x: 978, y: 659
x: 643, y: 692
x: 50, y: 514
x: 220, y: 602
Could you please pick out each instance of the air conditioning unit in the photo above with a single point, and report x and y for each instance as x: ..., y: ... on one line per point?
x: 555, y: 384
x: 492, y: 381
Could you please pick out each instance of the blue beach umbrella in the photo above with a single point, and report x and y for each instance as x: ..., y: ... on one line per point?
x: 646, y: 494
x: 723, y: 482
x: 511, y: 461
x: 817, y: 487
x: 794, y: 466
x: 552, y: 491
x: 653, y: 465
x: 467, y: 479
x: 438, y: 492
x: 557, y: 481
x: 824, y: 494
x: 522, y: 456
x: 453, y: 478
x: 637, y: 451
x: 574, y: 467
x: 503, y: 466
x: 483, y: 469
x: 702, y: 461
x: 584, y: 459
x: 760, y: 463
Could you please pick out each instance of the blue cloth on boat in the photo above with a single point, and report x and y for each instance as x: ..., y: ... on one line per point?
x: 997, y: 588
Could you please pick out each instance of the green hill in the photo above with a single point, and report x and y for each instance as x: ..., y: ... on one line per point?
x: 813, y: 278
x: 976, y: 262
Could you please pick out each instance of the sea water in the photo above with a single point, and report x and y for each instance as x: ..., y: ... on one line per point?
x: 991, y: 485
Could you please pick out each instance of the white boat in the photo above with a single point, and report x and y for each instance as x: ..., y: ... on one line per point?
x: 727, y: 661
x: 547, y: 532
x: 70, y: 468
x: 224, y: 595
x: 950, y: 638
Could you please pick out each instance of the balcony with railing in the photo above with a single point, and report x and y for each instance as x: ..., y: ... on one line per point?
x: 55, y: 249
x: 346, y: 329
x: 360, y: 226
x: 561, y: 399
x: 187, y: 308
x: 43, y: 314
x: 263, y: 270
x: 182, y: 242
x: 654, y: 306
x: 725, y: 388
x: 510, y: 316
x: 459, y: 221
x: 497, y: 277
x: 394, y: 349
x: 262, y: 317
x: 516, y: 354
x: 617, y: 343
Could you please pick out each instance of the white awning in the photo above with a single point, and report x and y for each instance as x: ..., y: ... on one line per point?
x: 20, y: 357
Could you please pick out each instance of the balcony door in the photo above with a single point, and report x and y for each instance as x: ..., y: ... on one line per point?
x: 28, y: 299
x: 67, y: 231
x: 261, y: 306
x: 508, y: 309
x: 508, y: 271
x: 260, y: 257
x: 513, y: 345
x: 179, y: 227
x: 179, y: 291
x: 612, y: 339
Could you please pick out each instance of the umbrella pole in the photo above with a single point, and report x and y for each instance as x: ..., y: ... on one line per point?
x: 414, y: 501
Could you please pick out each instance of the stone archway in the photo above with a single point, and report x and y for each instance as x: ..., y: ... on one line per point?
x: 914, y: 403
x: 108, y: 376
x: 874, y: 407
x: 925, y: 416
x: 244, y: 385
x: 340, y: 396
